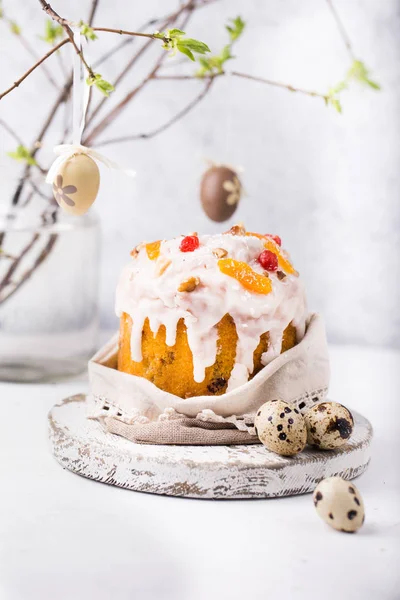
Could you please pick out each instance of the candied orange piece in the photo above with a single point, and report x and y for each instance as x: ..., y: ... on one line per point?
x: 257, y: 235
x: 244, y: 274
x: 269, y: 244
x: 153, y: 250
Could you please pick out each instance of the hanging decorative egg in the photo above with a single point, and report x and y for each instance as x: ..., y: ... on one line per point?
x: 220, y: 192
x: 76, y: 184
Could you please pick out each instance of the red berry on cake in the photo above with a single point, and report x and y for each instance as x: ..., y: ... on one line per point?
x: 189, y: 243
x: 268, y: 260
x: 275, y: 238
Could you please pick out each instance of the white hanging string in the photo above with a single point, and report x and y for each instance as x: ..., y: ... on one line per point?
x: 80, y: 101
x: 80, y: 92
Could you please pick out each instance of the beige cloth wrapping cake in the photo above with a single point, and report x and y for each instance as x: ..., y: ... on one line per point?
x: 136, y: 409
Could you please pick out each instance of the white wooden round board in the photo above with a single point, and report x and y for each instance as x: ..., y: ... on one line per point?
x: 224, y: 472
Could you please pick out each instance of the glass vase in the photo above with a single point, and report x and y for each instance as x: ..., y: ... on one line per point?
x: 49, y: 265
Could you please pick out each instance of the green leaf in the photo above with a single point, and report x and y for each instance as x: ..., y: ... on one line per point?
x: 22, y: 154
x: 336, y: 104
x: 372, y: 84
x: 193, y: 45
x: 215, y: 64
x: 235, y: 29
x: 226, y: 53
x: 175, y: 33
x: 186, y: 51
x: 15, y: 28
x: 174, y: 41
x: 105, y: 87
x: 53, y: 31
x: 87, y: 31
x: 359, y: 72
x: 332, y: 99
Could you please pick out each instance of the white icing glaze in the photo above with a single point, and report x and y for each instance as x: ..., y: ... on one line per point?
x: 143, y: 293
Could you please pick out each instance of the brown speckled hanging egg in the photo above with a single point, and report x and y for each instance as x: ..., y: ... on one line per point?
x: 76, y: 184
x: 220, y: 192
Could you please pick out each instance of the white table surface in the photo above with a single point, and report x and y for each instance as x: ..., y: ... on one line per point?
x: 67, y: 538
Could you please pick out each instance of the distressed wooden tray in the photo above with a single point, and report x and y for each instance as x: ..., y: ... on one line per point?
x: 247, y: 471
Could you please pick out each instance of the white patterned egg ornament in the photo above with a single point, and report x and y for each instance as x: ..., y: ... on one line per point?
x: 76, y: 184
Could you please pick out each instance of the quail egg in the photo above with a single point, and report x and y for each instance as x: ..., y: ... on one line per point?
x: 339, y: 504
x: 281, y: 427
x: 329, y: 425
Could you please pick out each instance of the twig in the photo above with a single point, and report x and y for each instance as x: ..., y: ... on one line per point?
x: 109, y: 118
x: 29, y: 71
x: 168, y: 20
x: 63, y: 95
x: 123, y: 32
x: 188, y: 77
x: 66, y: 25
x: 93, y: 10
x: 126, y: 41
x: 182, y: 113
x: 7, y: 277
x: 11, y: 132
x: 341, y: 29
x: 270, y: 82
x: 63, y: 68
x: 38, y: 261
x: 285, y: 86
x: 209, y: 79
x: 112, y: 51
x: 31, y: 51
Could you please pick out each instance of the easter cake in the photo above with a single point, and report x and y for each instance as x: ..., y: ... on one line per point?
x: 200, y: 315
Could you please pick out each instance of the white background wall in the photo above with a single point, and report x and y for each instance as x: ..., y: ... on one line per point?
x: 328, y: 184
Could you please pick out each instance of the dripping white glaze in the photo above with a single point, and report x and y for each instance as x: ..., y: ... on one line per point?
x: 143, y: 293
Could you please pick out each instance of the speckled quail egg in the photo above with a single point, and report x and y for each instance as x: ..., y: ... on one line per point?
x: 329, y: 425
x: 281, y: 427
x: 339, y: 503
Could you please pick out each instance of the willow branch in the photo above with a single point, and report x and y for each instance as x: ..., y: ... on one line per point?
x: 35, y: 66
x: 182, y: 113
x: 341, y: 28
